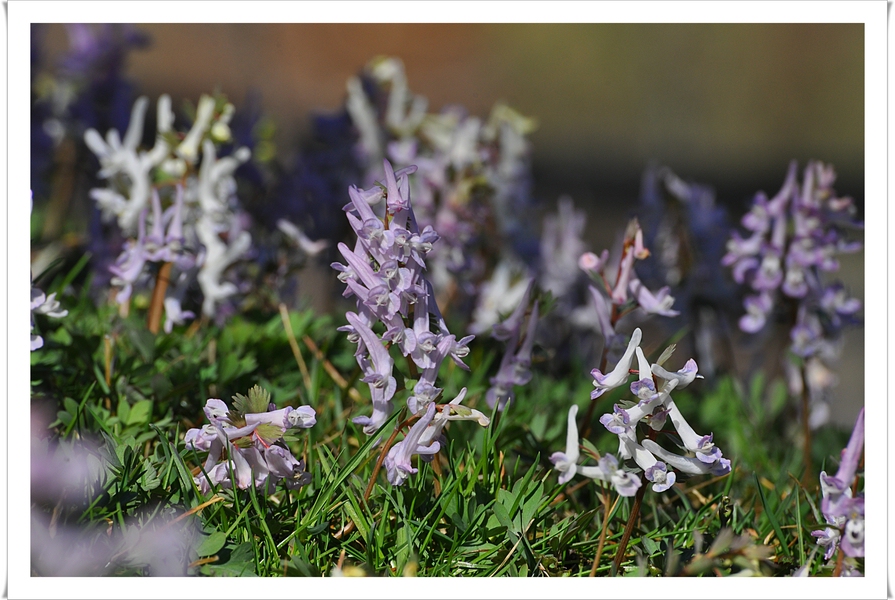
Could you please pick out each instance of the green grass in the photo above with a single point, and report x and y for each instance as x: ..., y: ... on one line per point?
x: 495, y: 509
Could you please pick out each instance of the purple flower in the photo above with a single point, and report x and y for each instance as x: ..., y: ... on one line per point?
x: 302, y: 417
x: 512, y: 325
x: 795, y: 238
x: 604, y: 311
x: 618, y: 422
x: 43, y: 305
x: 661, y: 477
x: 592, y: 264
x: 835, y: 487
x: 853, y: 532
x: 658, y: 304
x: 757, y: 309
x: 827, y: 538
x: 644, y: 388
x: 684, y: 377
x: 282, y: 466
x: 840, y: 509
x: 625, y: 483
x: 619, y: 375
x: 377, y: 369
x: 687, y: 464
x: 253, y: 456
x: 397, y: 462
x: 565, y: 462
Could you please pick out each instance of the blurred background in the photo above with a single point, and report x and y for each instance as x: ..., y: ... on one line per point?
x: 725, y: 105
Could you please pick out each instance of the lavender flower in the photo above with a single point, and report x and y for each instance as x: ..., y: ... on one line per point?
x: 87, y: 88
x: 515, y: 366
x: 385, y: 274
x: 377, y: 371
x: 843, y: 513
x: 473, y: 184
x: 624, y: 292
x: 42, y: 304
x: 247, y: 441
x: 561, y: 249
x: 397, y: 462
x: 624, y: 482
x: 653, y: 405
x: 200, y: 197
x: 792, y: 241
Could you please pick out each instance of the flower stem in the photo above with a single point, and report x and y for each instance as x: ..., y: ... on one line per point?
x: 629, y: 527
x: 606, y: 512
x: 384, y: 452
x: 156, y: 306
x: 299, y: 359
x: 840, y: 557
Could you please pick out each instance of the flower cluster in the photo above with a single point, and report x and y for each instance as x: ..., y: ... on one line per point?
x: 794, y: 238
x: 842, y: 510
x: 245, y: 444
x: 653, y: 406
x: 202, y: 230
x: 624, y: 292
x: 515, y: 366
x: 473, y: 183
x: 385, y: 273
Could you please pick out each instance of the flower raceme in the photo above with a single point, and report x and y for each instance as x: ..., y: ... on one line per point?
x: 473, y: 182
x: 245, y: 444
x: 385, y: 273
x: 618, y: 290
x: 791, y: 243
x: 198, y: 190
x: 653, y: 405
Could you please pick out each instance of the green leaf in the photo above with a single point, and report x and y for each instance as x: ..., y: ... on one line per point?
x: 139, y: 413
x: 318, y: 528
x: 268, y: 433
x: 651, y: 546
x: 61, y: 336
x: 212, y: 544
x: 209, y: 373
x: 503, y: 517
x: 531, y: 504
x: 240, y: 564
x: 256, y: 402
x: 70, y: 405
x: 243, y: 442
x: 124, y: 410
x: 149, y: 479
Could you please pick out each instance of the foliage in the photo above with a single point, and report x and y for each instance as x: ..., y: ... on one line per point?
x: 490, y: 505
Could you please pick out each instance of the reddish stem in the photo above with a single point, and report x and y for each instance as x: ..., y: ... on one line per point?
x: 629, y: 527
x: 156, y: 306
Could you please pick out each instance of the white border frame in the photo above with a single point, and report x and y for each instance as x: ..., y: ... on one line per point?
x: 873, y: 14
